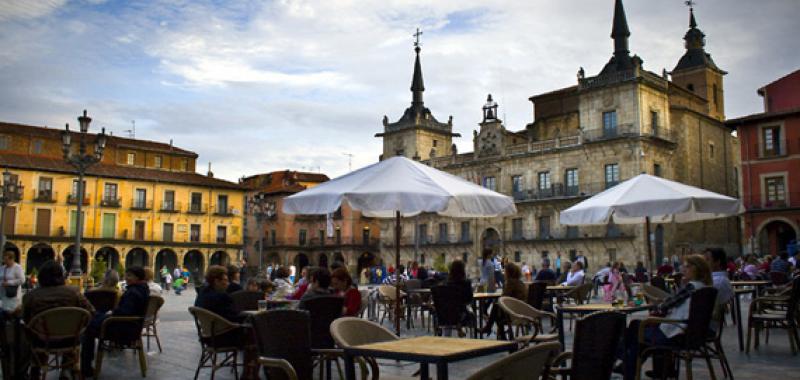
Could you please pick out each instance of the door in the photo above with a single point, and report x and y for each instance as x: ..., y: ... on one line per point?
x: 138, y: 230
x: 43, y: 222
x: 8, y: 222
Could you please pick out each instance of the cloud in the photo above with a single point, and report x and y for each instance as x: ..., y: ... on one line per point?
x: 26, y: 9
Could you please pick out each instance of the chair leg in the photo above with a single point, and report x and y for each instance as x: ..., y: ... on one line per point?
x: 723, y: 361
x: 200, y: 364
x: 707, y: 357
x: 749, y: 333
x: 689, y: 368
x: 213, y: 364
x: 158, y: 341
x: 792, y: 343
x: 98, y: 360
x: 142, y: 359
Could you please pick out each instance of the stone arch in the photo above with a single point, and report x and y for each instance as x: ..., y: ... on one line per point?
x: 68, y: 253
x: 13, y: 248
x: 301, y: 261
x: 338, y: 257
x: 109, y: 255
x: 137, y: 257
x: 491, y: 238
x: 164, y: 257
x: 322, y: 260
x: 37, y: 255
x: 195, y: 264
x: 219, y: 258
x: 774, y: 234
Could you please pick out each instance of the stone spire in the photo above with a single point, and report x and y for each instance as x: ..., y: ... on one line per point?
x: 695, y: 42
x: 620, y: 31
x: 417, y: 85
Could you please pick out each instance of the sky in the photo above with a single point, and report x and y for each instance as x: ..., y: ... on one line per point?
x: 259, y: 86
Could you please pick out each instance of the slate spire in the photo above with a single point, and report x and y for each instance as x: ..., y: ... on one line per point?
x: 620, y: 31
x: 417, y: 85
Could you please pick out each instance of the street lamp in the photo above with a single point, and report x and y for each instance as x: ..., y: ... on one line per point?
x: 10, y: 193
x: 262, y: 209
x: 81, y: 161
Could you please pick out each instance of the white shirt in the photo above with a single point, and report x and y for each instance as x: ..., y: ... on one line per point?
x: 723, y: 285
x: 574, y: 278
x: 680, y: 312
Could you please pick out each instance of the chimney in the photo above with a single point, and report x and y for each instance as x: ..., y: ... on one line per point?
x: 210, y: 173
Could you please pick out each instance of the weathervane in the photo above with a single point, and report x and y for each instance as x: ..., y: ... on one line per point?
x: 416, y: 36
x: 689, y: 3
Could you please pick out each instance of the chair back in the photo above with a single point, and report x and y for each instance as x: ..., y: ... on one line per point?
x: 701, y: 311
x: 778, y: 278
x: 595, y: 345
x: 446, y: 306
x: 581, y: 293
x: 154, y: 304
x: 794, y: 298
x: 323, y: 311
x: 209, y: 323
x: 285, y: 334
x: 654, y: 294
x: 352, y: 331
x: 536, y: 293
x: 528, y: 363
x: 659, y: 282
x: 244, y: 300
x: 102, y: 300
x: 388, y: 292
x: 59, y: 323
x: 520, y: 313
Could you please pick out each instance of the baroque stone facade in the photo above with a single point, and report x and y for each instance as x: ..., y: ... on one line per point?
x: 584, y: 139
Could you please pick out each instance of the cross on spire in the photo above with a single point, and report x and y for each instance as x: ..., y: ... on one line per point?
x: 416, y: 37
x: 689, y: 3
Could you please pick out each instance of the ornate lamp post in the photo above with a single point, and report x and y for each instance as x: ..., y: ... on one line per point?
x: 261, y: 209
x: 10, y: 193
x: 81, y: 161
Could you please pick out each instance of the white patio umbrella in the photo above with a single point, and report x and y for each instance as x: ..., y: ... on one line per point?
x: 398, y: 187
x: 647, y: 198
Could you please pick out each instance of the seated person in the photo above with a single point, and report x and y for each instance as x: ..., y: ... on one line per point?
x: 52, y: 292
x: 252, y: 285
x: 110, y: 282
x: 302, y: 285
x: 575, y: 275
x: 513, y: 287
x: 320, y: 286
x: 546, y: 274
x: 342, y: 284
x: 781, y: 263
x: 214, y: 296
x: 698, y: 273
x: 149, y: 276
x: 132, y: 303
x: 457, y: 277
x: 283, y: 288
x: 233, y: 279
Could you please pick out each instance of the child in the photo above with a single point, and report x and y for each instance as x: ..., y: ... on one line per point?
x: 178, y: 285
x: 168, y: 281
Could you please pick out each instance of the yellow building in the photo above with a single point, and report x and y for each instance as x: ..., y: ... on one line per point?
x: 144, y: 204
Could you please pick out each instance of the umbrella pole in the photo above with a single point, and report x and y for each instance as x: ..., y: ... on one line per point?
x: 649, y: 247
x: 397, y: 273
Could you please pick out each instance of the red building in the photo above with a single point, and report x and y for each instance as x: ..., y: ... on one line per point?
x: 770, y: 143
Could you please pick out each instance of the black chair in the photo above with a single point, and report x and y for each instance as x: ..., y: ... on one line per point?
x: 778, y: 278
x: 536, y: 295
x: 218, y: 337
x: 102, y: 300
x: 323, y: 311
x: 772, y: 312
x: 695, y: 333
x: 594, y: 347
x: 448, y: 311
x: 244, y: 300
x: 660, y: 283
x: 285, y: 334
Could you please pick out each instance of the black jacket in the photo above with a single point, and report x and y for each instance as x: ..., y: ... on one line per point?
x: 217, y: 302
x: 134, y: 301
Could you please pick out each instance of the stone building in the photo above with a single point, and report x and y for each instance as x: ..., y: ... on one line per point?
x: 584, y: 139
x: 302, y: 240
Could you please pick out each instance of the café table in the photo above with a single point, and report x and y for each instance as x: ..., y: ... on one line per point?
x: 589, y: 308
x: 744, y: 287
x: 426, y: 350
x: 479, y: 300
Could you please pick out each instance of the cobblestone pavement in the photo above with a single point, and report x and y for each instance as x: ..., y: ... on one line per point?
x: 181, y: 352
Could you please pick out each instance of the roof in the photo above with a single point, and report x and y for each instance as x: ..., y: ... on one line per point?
x: 50, y: 164
x: 282, y: 181
x: 762, y: 117
x: 793, y: 73
x: 561, y: 91
x: 55, y: 133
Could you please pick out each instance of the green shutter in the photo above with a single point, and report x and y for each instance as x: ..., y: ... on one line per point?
x: 109, y: 222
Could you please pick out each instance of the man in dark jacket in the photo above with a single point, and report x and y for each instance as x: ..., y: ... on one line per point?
x: 133, y: 303
x: 214, y: 296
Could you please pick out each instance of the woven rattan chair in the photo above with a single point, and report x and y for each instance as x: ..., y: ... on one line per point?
x: 654, y: 294
x: 593, y: 348
x: 285, y: 334
x: 244, y: 300
x: 775, y: 312
x: 351, y: 331
x: 215, y: 334
x: 529, y: 363
x: 154, y: 304
x: 323, y: 311
x: 102, y: 300
x: 528, y: 321
x: 121, y: 333
x: 714, y: 342
x: 695, y: 333
x: 660, y: 283
x: 537, y: 292
x: 56, y: 332
x: 448, y: 311
x: 778, y: 278
x: 279, y: 366
x: 387, y: 296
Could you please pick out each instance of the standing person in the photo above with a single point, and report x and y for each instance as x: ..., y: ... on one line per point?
x: 498, y: 270
x: 640, y: 272
x: 676, y: 262
x: 12, y: 278
x: 342, y: 284
x: 526, y: 272
x: 176, y: 273
x: 600, y: 278
x: 167, y: 282
x: 584, y: 261
x: 487, y: 271
x: 558, y: 264
x: 163, y: 274
x: 133, y: 303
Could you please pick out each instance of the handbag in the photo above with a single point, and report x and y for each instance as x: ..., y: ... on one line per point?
x: 10, y: 290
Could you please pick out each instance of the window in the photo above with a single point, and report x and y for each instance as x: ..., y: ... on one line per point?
x: 194, y: 233
x: 422, y: 238
x: 654, y: 122
x: 465, y: 231
x: 301, y: 237
x: 657, y: 170
x: 222, y: 204
x: 73, y: 221
x: 544, y: 181
x: 5, y: 141
x: 710, y: 150
x: 776, y: 191
x: 612, y: 254
x: 110, y: 192
x: 109, y: 225
x: 338, y: 236
x: 610, y: 124
x: 573, y: 232
x: 196, y: 201
x: 138, y: 230
x: 36, y: 147
x: 612, y: 175
x: 222, y: 234
x: 157, y: 161
x: 489, y: 183
x: 516, y: 184
x: 321, y: 234
x: 434, y: 143
x: 365, y: 235
x: 443, y: 233
x: 770, y: 140
x: 690, y: 87
x: 517, y: 256
x: 168, y: 232
x: 75, y: 188
x: 185, y: 165
x: 273, y: 237
x: 544, y: 227
x: 571, y: 181
x: 45, y: 188
x: 131, y: 159
x: 516, y: 229
x: 169, y: 200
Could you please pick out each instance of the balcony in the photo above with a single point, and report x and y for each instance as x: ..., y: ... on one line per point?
x: 559, y: 190
x: 44, y: 196
x: 170, y: 206
x: 223, y: 211
x: 73, y: 199
x: 141, y: 205
x: 110, y: 202
x: 221, y: 239
x: 628, y: 131
x: 197, y: 208
x: 778, y: 149
x: 791, y: 200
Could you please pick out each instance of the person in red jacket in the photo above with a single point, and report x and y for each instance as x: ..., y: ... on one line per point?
x: 342, y: 283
